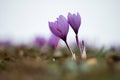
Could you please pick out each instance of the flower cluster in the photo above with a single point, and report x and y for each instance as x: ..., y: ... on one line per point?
x: 60, y: 29
x: 52, y: 42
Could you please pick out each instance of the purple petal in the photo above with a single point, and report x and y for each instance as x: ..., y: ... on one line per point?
x: 54, y: 29
x: 63, y: 25
x: 77, y: 20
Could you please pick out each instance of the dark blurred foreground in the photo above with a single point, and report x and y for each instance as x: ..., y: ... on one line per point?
x: 30, y: 63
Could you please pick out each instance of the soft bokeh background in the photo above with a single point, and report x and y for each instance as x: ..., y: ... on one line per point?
x: 21, y: 20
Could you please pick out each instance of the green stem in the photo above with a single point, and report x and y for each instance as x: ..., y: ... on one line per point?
x: 78, y: 44
x: 73, y: 55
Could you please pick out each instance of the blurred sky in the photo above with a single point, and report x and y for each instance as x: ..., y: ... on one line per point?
x: 21, y: 20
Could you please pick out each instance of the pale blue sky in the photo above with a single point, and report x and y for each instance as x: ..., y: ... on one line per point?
x: 21, y: 20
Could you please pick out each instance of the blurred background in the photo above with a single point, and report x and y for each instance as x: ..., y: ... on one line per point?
x: 22, y: 20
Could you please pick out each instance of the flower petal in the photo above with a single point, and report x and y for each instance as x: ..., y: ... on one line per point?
x: 54, y: 29
x: 63, y: 25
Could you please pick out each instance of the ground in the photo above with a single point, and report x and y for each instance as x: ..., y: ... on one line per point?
x: 30, y: 63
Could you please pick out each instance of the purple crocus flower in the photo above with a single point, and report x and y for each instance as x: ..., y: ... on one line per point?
x: 39, y: 41
x: 74, y: 21
x: 60, y: 27
x: 53, y: 41
x: 5, y: 43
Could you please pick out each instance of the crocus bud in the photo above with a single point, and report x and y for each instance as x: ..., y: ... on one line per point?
x: 83, y: 55
x: 60, y: 27
x: 53, y: 41
x: 74, y: 21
